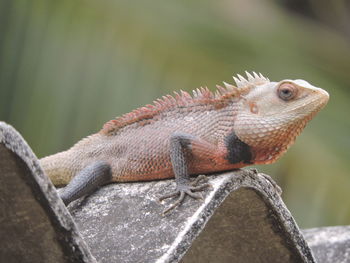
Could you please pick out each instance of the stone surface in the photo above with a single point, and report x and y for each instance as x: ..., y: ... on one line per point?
x: 329, y: 244
x: 35, y: 224
x: 242, y: 219
x: 123, y: 223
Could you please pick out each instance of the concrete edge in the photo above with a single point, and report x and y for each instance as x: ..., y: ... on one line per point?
x: 59, y: 215
x: 248, y: 179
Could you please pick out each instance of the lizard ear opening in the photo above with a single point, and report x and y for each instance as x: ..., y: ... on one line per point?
x: 253, y: 108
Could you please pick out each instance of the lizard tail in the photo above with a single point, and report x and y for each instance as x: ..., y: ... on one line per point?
x: 58, y: 167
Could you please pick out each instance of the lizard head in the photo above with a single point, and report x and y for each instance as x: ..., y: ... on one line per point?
x: 273, y: 114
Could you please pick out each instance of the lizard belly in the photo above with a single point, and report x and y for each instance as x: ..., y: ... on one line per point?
x: 142, y: 169
x: 148, y: 169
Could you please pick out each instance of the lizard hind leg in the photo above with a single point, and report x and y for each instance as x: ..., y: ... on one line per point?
x: 87, y: 181
x: 179, y: 144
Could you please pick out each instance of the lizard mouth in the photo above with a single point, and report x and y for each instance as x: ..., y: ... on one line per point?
x: 309, y: 107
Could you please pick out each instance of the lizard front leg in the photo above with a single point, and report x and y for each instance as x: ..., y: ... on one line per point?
x: 180, y: 144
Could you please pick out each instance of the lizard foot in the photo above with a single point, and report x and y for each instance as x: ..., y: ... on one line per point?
x: 270, y: 180
x: 273, y: 183
x: 186, y: 189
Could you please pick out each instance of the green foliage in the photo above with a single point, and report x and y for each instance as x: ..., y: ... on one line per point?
x: 66, y: 67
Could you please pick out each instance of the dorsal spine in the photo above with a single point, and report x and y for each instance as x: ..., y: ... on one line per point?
x: 200, y: 96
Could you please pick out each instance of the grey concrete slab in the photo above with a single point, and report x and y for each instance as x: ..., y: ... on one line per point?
x: 35, y: 226
x: 329, y: 244
x: 242, y: 219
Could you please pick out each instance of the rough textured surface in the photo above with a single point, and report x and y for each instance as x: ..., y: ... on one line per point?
x: 330, y: 244
x: 251, y: 223
x: 242, y: 219
x: 35, y: 224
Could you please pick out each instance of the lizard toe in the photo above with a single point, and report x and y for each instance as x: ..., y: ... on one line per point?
x: 182, y: 192
x: 197, y: 196
x: 201, y: 187
x: 170, y: 195
x: 199, y: 178
x: 176, y: 203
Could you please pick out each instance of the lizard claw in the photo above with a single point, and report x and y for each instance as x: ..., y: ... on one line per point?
x: 269, y: 179
x: 277, y: 188
x: 183, y: 190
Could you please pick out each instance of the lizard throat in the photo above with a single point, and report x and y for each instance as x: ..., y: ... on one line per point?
x: 269, y: 141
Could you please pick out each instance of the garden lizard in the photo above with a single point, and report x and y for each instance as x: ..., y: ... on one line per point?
x: 253, y: 122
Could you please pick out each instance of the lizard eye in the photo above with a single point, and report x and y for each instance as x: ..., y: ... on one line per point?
x: 287, y: 91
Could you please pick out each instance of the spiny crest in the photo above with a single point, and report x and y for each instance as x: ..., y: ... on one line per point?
x: 255, y: 79
x: 201, y: 96
x: 243, y: 85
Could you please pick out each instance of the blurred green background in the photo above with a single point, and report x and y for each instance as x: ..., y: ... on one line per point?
x: 66, y: 67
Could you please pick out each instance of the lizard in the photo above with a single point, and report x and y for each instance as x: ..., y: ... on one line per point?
x: 252, y: 122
